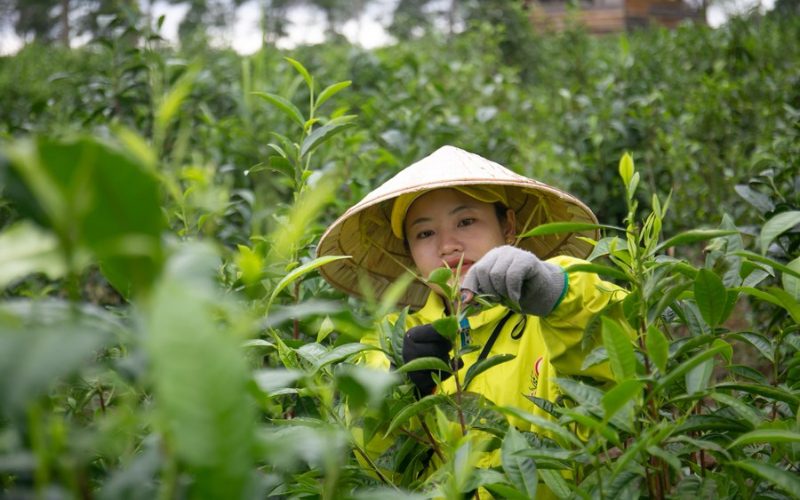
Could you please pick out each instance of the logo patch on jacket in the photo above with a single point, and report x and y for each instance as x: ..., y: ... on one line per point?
x: 535, y: 375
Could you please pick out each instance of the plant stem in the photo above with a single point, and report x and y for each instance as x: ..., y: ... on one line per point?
x: 433, y: 443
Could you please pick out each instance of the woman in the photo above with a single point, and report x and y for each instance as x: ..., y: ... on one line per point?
x: 458, y: 210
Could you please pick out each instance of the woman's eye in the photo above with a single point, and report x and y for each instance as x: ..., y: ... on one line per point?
x: 466, y: 222
x: 424, y: 234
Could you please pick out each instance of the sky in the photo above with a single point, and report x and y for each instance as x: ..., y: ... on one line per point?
x: 308, y: 25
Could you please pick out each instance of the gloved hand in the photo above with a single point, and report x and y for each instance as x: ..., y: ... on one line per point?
x: 518, y: 276
x: 424, y: 341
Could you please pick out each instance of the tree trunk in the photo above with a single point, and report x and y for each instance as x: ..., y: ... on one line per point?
x: 65, y: 23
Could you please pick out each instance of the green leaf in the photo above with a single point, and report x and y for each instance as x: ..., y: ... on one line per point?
x: 364, y: 385
x: 322, y: 134
x: 330, y: 91
x: 302, y: 271
x: 41, y: 343
x: 521, y: 471
x: 483, y: 365
x: 447, y: 327
x: 99, y: 199
x: 556, y: 482
x: 657, y: 348
x: 626, y: 168
x: 787, y: 481
x: 717, y: 347
x: 416, y: 409
x: 26, y: 249
x: 746, y: 411
x: 770, y: 262
x: 790, y: 283
x: 776, y: 226
x: 342, y: 352
x: 549, y: 426
x: 200, y: 379
x: 566, y: 227
x: 760, y: 342
x: 426, y: 363
x: 621, y: 395
x: 765, y: 391
x: 698, y: 377
x: 303, y: 72
x: 284, y: 105
x: 275, y: 380
x: 693, y: 236
x: 711, y: 297
x: 766, y: 436
x: 171, y: 102
x: 441, y: 276
x: 620, y: 350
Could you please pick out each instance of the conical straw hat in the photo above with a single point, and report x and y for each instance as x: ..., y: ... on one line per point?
x: 379, y: 257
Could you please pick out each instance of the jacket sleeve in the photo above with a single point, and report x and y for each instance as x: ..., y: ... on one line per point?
x: 565, y: 327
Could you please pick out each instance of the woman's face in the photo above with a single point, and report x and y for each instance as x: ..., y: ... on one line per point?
x: 444, y: 225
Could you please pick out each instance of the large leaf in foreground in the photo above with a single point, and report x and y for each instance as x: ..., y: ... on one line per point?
x: 200, y: 380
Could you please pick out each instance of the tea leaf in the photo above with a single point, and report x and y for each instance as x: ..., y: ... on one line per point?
x: 284, y: 105
x: 770, y: 262
x: 555, y: 429
x: 26, y: 249
x: 483, y: 365
x: 521, y: 471
x: 619, y: 396
x: 364, y: 385
x: 325, y: 133
x: 426, y: 363
x: 626, y: 168
x: 342, y: 352
x: 766, y: 391
x: 657, y: 348
x: 200, y: 379
x: 791, y: 283
x: 743, y: 409
x: 447, y: 327
x: 781, y: 478
x: 566, y: 227
x: 330, y: 91
x: 272, y: 380
x: 556, y: 482
x: 776, y: 226
x: 416, y: 409
x: 620, y: 350
x: 717, y: 347
x: 710, y: 295
x: 766, y: 436
x: 302, y: 271
x: 693, y: 236
x: 760, y: 342
x: 697, y: 378
x: 303, y: 72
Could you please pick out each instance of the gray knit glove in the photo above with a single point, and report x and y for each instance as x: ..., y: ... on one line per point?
x: 532, y: 286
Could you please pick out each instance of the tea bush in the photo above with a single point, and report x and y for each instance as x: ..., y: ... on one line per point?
x: 163, y: 331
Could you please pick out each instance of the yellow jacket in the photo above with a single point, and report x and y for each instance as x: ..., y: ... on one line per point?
x: 545, y: 347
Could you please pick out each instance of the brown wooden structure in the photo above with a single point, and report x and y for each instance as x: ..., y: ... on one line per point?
x: 609, y: 16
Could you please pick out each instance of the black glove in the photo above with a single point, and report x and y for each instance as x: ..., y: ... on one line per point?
x: 424, y: 341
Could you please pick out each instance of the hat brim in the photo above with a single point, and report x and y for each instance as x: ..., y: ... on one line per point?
x: 379, y: 258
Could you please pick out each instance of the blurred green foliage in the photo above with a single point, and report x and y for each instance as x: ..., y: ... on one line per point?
x: 163, y: 332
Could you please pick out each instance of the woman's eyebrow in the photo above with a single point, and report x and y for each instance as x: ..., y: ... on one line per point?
x: 461, y: 208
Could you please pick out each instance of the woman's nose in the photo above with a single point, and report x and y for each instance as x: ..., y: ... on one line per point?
x: 449, y: 244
